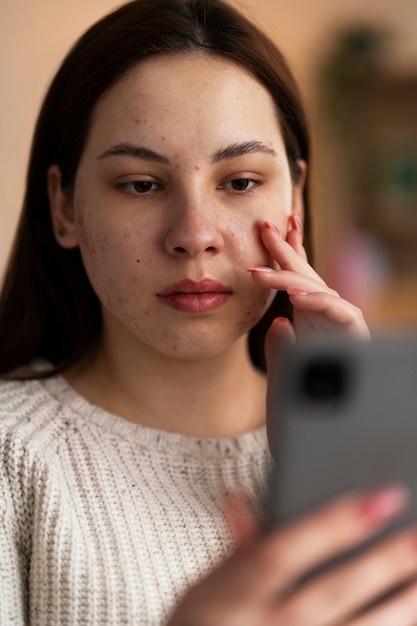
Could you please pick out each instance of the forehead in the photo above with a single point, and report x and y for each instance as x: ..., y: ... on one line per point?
x: 190, y: 93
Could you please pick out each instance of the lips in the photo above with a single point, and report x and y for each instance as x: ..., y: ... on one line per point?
x: 189, y: 286
x: 188, y: 296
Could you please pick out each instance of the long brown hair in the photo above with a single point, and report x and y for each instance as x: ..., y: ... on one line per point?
x: 48, y: 308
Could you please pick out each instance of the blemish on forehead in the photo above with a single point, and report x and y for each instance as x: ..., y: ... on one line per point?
x: 163, y: 138
x: 196, y: 167
x: 137, y: 260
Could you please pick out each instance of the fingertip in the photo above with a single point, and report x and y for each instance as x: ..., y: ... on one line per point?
x: 281, y: 325
x: 271, y: 227
x: 297, y: 292
x: 296, y: 224
x: 295, y: 239
x: 239, y: 519
x: 279, y: 333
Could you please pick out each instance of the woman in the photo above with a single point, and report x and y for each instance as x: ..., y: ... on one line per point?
x: 163, y: 212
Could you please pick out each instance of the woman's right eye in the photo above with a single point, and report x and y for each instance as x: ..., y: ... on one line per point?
x: 139, y: 187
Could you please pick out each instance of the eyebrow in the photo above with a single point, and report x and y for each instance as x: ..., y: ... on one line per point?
x: 230, y: 152
x: 240, y: 149
x: 139, y: 152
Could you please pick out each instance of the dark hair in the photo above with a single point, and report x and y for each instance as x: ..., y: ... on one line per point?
x: 48, y: 308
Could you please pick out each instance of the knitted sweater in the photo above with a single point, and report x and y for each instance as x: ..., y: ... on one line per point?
x: 103, y: 521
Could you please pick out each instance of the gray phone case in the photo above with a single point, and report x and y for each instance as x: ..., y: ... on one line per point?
x: 346, y: 415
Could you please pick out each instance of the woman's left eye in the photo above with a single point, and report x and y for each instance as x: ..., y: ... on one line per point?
x: 240, y: 184
x: 139, y: 187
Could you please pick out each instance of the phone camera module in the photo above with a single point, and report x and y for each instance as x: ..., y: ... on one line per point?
x: 324, y: 383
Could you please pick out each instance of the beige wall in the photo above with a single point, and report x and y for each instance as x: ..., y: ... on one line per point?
x: 35, y: 35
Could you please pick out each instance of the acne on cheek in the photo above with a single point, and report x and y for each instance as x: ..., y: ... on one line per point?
x: 255, y: 312
x: 88, y: 242
x: 114, y: 299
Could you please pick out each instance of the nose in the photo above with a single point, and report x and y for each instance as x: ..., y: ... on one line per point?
x: 194, y: 230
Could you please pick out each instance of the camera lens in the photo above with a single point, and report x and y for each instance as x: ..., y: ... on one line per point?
x: 323, y: 382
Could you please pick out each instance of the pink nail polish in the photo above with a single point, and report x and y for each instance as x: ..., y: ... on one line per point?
x: 260, y: 268
x: 296, y: 292
x: 383, y: 504
x: 272, y: 227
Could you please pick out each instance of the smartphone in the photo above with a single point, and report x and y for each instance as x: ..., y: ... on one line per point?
x: 345, y: 414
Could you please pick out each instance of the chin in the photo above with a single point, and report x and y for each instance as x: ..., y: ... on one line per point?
x: 197, y: 346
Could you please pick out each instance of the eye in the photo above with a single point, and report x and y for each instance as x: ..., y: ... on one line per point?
x: 139, y: 187
x: 240, y: 184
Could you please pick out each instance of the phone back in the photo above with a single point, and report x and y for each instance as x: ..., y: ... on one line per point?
x: 347, y: 420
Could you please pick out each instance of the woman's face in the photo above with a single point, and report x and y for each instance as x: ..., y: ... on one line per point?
x: 184, y: 162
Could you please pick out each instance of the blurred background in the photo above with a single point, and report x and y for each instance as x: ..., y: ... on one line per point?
x: 356, y: 63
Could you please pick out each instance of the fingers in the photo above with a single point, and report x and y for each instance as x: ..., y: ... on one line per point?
x: 401, y: 610
x: 326, y: 312
x: 247, y: 588
x: 306, y: 543
x: 290, y: 254
x: 286, y: 280
x: 295, y: 236
x: 322, y: 308
x: 267, y: 567
x: 358, y: 583
x: 316, y: 306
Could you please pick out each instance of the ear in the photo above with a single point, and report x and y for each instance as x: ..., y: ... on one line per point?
x: 297, y: 207
x: 62, y: 213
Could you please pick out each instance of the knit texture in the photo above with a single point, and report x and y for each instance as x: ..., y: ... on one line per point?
x: 103, y: 521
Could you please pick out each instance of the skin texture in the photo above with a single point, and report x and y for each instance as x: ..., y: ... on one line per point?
x: 201, y: 211
x: 130, y: 242
x: 196, y: 211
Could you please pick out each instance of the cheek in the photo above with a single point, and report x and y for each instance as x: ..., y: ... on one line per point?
x: 112, y: 256
x: 257, y: 308
x: 92, y: 237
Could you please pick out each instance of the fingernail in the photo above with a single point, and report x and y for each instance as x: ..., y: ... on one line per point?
x: 272, y: 227
x: 383, y: 504
x: 260, y: 268
x: 296, y: 292
x: 296, y: 224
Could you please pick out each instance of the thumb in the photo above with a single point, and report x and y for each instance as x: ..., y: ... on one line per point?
x: 280, y: 334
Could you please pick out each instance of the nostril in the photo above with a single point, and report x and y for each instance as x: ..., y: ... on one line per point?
x: 179, y: 249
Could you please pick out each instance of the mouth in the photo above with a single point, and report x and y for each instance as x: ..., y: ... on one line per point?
x: 188, y: 296
x: 189, y: 286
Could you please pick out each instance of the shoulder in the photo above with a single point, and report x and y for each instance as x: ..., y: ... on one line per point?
x: 30, y: 415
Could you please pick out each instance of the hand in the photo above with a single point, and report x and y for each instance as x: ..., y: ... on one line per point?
x: 316, y: 306
x: 253, y: 586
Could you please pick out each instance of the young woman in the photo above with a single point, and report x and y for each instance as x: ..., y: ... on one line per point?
x: 162, y: 231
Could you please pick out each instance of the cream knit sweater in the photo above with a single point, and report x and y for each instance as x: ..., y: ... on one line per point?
x: 103, y: 521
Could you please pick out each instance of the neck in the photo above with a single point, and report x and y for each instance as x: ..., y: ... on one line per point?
x: 219, y: 396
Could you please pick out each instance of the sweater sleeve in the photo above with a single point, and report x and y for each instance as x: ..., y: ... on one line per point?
x: 14, y: 531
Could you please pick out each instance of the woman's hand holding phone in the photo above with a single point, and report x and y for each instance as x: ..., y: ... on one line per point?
x: 257, y: 584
